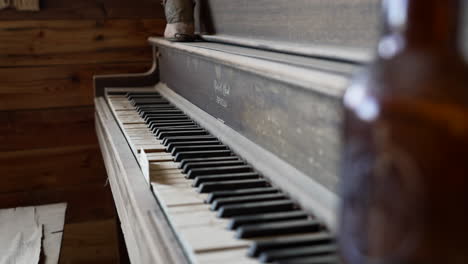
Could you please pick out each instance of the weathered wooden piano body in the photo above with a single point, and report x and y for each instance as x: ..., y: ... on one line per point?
x: 267, y: 81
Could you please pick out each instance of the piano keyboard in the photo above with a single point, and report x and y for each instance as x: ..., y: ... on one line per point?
x: 221, y: 208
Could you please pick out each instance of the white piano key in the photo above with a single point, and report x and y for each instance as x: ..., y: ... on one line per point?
x: 192, y: 215
x: 164, y: 185
x: 130, y: 119
x: 179, y: 196
x: 121, y: 105
x: 129, y: 112
x: 210, y: 238
x: 154, y: 166
x: 133, y: 138
x: 164, y: 157
x: 230, y: 256
x: 130, y: 127
x: 199, y: 228
x: 150, y: 148
x: 167, y: 174
x: 149, y: 141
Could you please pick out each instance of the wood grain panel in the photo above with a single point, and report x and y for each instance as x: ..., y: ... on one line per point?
x: 51, y: 168
x: 99, y: 56
x: 90, y: 242
x: 55, y: 86
x: 85, y: 9
x: 36, y: 42
x: 86, y: 202
x: 48, y: 150
x: 48, y: 128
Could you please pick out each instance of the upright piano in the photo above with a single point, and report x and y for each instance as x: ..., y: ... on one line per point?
x: 227, y: 150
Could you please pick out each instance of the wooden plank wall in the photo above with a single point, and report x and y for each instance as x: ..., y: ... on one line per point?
x: 48, y: 147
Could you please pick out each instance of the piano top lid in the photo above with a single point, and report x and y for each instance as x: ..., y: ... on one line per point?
x: 336, y: 29
x: 323, y: 76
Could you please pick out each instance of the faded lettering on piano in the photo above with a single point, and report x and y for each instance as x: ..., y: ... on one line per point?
x: 221, y: 102
x: 222, y: 90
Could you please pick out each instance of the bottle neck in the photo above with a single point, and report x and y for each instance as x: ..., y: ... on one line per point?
x: 431, y: 25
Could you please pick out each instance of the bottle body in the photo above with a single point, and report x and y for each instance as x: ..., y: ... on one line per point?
x: 405, y: 164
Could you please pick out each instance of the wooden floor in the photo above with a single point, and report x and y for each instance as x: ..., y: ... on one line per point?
x: 48, y: 147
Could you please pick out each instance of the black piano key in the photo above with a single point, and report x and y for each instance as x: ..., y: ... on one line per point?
x: 149, y: 96
x: 201, y: 154
x: 142, y: 95
x: 218, y: 170
x: 143, y: 112
x: 131, y: 94
x: 309, y: 240
x: 242, y: 199
x: 137, y: 103
x: 148, y: 101
x: 266, y: 218
x: 157, y: 113
x: 169, y: 140
x: 154, y: 126
x: 171, y: 128
x: 156, y: 105
x: 116, y: 93
x: 162, y: 117
x: 231, y: 185
x: 158, y: 120
x: 144, y: 101
x: 186, y: 162
x: 169, y: 112
x: 180, y: 149
x: 255, y: 208
x: 278, y: 228
x: 327, y: 259
x: 290, y: 253
x: 247, y: 199
x: 224, y: 177
x: 158, y: 131
x: 149, y: 109
x: 160, y: 123
x: 152, y: 98
x: 192, y: 143
x: 183, y: 134
x: 209, y: 164
x: 212, y: 197
x: 167, y: 118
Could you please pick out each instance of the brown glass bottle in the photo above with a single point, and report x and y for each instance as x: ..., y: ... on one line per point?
x: 405, y: 164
